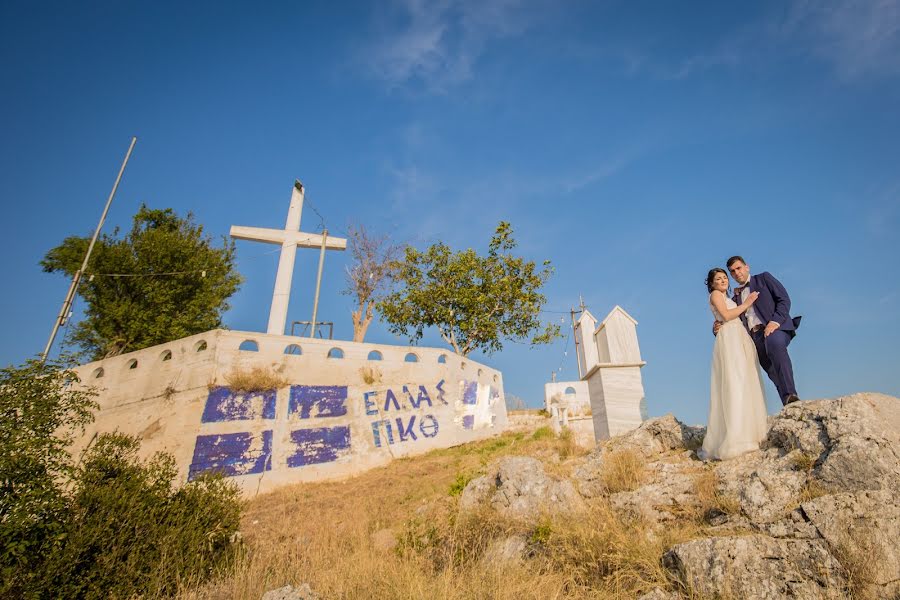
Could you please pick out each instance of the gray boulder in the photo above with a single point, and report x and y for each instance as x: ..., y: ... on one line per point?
x: 651, y: 439
x: 854, y: 440
x: 658, y: 435
x: 766, y: 485
x: 862, y: 530
x: 756, y: 566
x: 519, y: 488
x: 506, y: 550
x: 301, y: 592
x: 669, y: 494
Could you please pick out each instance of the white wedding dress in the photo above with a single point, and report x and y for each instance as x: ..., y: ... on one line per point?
x: 737, y: 402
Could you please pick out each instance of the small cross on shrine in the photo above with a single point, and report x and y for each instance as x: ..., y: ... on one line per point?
x: 290, y: 239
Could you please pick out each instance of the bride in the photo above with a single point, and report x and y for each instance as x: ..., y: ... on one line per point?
x: 737, y: 403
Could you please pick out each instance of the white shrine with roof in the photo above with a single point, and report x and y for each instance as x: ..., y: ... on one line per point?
x: 609, y: 360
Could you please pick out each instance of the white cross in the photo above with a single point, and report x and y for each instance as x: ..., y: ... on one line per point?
x: 290, y: 239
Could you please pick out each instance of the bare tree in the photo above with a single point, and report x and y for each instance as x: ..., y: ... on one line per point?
x: 370, y: 273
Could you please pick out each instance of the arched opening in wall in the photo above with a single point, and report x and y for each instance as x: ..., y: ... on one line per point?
x: 200, y: 346
x: 335, y: 353
x: 570, y: 390
x: 442, y: 359
x: 293, y: 350
x: 249, y: 346
x: 411, y: 357
x: 98, y: 373
x: 166, y: 355
x: 462, y: 365
x: 479, y: 372
x: 132, y: 364
x: 375, y: 355
x: 495, y: 378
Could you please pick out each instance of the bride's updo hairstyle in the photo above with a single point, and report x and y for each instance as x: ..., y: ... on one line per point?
x: 712, y: 275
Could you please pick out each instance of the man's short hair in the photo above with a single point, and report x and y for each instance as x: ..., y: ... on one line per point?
x: 734, y: 259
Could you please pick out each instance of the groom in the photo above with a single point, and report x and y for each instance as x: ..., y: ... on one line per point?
x: 769, y: 323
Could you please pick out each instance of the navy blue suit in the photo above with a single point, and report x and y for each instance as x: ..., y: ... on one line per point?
x: 773, y: 304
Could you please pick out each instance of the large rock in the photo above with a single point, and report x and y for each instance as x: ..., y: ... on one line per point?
x: 854, y: 440
x: 765, y: 484
x: 519, y: 488
x: 670, y: 493
x: 863, y: 530
x: 757, y: 566
x: 503, y: 551
x: 301, y: 592
x: 658, y: 435
x: 651, y: 439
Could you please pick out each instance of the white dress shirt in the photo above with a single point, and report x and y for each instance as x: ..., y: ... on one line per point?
x: 752, y: 318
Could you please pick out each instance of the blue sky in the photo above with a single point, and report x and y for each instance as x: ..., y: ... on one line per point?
x: 635, y: 145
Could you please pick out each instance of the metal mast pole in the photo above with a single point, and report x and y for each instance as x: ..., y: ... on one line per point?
x: 575, y: 338
x: 319, y: 281
x: 76, y: 279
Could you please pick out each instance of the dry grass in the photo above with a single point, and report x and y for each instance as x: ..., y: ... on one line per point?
x: 255, y: 379
x: 710, y: 498
x: 370, y: 374
x: 568, y: 445
x: 622, y: 471
x: 858, y: 558
x: 321, y: 534
x: 803, y: 461
x: 810, y: 491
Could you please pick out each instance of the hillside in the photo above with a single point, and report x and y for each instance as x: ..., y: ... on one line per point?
x: 530, y: 515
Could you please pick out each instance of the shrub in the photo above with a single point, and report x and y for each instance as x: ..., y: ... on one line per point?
x: 111, y: 527
x: 130, y: 532
x: 40, y: 411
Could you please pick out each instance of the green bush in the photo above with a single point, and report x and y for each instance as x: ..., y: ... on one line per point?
x: 115, y: 526
x: 132, y: 533
x: 542, y: 433
x: 41, y: 409
x: 462, y: 480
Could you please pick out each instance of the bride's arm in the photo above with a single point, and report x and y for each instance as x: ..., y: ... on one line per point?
x: 718, y: 301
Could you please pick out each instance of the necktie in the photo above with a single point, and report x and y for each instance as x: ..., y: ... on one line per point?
x: 738, y: 291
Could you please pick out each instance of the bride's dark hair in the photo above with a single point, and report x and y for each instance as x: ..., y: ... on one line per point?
x: 712, y: 275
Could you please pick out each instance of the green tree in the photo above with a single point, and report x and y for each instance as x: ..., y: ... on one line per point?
x: 164, y: 280
x: 475, y: 302
x: 41, y: 409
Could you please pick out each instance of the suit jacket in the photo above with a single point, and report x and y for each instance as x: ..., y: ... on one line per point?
x: 773, y: 303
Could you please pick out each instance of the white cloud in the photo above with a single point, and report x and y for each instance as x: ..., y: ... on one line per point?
x: 436, y: 43
x: 859, y: 37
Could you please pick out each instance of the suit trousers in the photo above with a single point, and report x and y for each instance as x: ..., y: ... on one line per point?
x: 774, y: 359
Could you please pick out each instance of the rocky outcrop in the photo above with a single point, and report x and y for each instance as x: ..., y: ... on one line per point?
x: 854, y: 441
x: 756, y: 566
x: 863, y: 530
x: 517, y: 487
x: 812, y: 514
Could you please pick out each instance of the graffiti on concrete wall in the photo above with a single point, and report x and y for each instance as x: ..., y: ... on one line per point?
x: 232, y: 454
x: 318, y: 401
x: 224, y: 405
x: 398, y: 415
x: 247, y: 453
x: 318, y: 445
x: 405, y: 427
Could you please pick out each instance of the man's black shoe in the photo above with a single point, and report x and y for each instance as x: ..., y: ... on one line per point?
x: 791, y: 399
